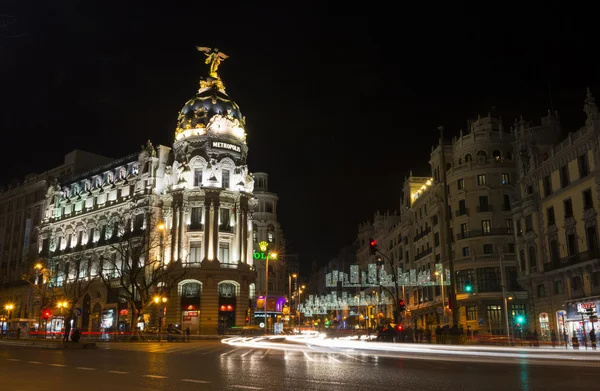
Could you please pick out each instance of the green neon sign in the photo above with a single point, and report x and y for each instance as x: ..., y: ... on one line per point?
x: 262, y: 255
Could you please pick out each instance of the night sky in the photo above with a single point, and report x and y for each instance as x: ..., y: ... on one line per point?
x: 340, y: 102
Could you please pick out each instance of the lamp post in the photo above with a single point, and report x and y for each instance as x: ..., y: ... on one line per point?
x: 443, y: 298
x: 269, y: 256
x: 162, y: 308
x: 161, y: 228
x: 290, y: 291
x: 9, y: 308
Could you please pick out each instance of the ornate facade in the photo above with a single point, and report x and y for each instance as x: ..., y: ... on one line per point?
x: 195, y: 200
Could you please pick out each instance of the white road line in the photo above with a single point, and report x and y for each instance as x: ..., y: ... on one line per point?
x: 309, y: 357
x: 228, y: 353
x: 195, y: 381
x: 119, y: 372
x: 57, y: 365
x: 34, y: 362
x: 248, y: 352
x: 155, y: 376
x: 265, y: 355
x: 355, y: 358
x: 333, y: 358
x: 86, y: 368
x: 246, y: 387
x: 13, y: 359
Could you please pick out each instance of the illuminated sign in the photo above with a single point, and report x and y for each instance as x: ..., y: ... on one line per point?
x: 222, y: 145
x: 124, y: 312
x: 262, y: 255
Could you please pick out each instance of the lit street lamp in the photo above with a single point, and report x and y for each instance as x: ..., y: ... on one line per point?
x: 162, y: 312
x: 8, y: 308
x: 290, y: 292
x: 269, y: 256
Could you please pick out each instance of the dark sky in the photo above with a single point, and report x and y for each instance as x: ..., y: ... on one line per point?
x: 340, y: 102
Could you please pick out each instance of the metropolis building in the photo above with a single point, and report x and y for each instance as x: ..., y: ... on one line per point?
x: 197, y: 199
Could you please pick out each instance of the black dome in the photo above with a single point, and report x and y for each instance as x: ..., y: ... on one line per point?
x: 208, y: 102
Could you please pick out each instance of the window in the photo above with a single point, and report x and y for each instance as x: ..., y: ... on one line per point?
x: 584, y: 168
x: 224, y: 219
x: 435, y: 220
x: 541, y: 290
x: 528, y: 223
x: 464, y: 230
x: 509, y: 227
x: 484, y: 204
x: 529, y: 190
x: 554, y: 251
x: 558, y: 287
x: 224, y: 252
x: 463, y: 277
x: 225, y: 183
x: 506, y: 203
x: 494, y: 314
x: 468, y: 157
x: 481, y: 180
x: 472, y: 312
x: 486, y: 227
x: 592, y: 240
x: 196, y: 216
x: 568, y: 206
x: 564, y: 176
x: 571, y: 244
x: 460, y: 184
x: 465, y: 251
x: 69, y: 240
x: 488, y: 279
x: 505, y: 179
x: 511, y: 248
x: 227, y: 290
x: 198, y: 177
x: 550, y: 216
x: 576, y: 283
x: 522, y: 260
x: 80, y: 238
x: 138, y: 222
x: 588, y: 201
x: 436, y: 239
x: 488, y: 248
x: 547, y: 185
x: 595, y: 279
x: 269, y: 207
x: 512, y: 281
x: 91, y: 233
x: 195, y: 255
x: 462, y: 207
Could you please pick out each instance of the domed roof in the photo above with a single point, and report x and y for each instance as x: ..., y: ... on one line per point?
x: 211, y: 100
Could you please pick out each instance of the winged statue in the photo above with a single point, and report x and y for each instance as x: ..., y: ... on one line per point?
x: 214, y: 58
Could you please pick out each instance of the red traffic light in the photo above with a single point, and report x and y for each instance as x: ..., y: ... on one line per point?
x: 373, y: 243
x: 372, y: 246
x: 46, y: 314
x: 400, y: 327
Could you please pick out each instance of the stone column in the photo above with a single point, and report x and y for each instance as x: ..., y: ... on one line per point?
x: 215, y: 228
x: 207, y: 227
x: 173, y: 230
x: 180, y: 234
x: 238, y: 234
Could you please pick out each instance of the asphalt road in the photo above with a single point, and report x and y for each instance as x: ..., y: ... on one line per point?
x: 212, y: 365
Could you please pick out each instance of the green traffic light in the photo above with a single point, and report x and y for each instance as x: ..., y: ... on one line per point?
x: 520, y: 319
x: 468, y: 288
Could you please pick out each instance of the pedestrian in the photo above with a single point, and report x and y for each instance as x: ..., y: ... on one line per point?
x: 593, y: 339
x: 187, y: 334
x: 553, y: 338
x: 67, y: 330
x: 536, y: 339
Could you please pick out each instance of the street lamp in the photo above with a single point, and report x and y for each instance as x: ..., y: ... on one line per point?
x: 162, y: 308
x: 269, y: 256
x: 9, y: 307
x: 443, y: 298
x: 290, y: 291
x: 161, y: 227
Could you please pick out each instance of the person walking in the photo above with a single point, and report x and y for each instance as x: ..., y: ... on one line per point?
x: 593, y: 339
x: 67, y: 330
x: 553, y: 338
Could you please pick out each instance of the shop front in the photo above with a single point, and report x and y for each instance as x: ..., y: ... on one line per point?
x: 580, y: 319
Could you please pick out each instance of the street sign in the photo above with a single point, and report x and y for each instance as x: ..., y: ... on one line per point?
x: 77, y: 311
x: 262, y: 325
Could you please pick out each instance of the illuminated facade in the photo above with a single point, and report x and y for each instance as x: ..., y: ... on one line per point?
x: 556, y: 223
x: 198, y: 199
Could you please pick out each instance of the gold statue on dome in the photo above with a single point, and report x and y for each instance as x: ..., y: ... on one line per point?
x: 214, y: 58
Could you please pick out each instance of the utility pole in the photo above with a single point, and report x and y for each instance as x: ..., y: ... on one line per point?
x: 446, y: 220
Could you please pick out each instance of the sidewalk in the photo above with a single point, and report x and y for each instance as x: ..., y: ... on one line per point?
x: 47, y: 344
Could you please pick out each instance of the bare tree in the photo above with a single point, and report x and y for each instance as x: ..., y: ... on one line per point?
x: 135, y: 268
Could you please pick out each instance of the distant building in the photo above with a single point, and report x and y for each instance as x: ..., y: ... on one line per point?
x: 556, y: 223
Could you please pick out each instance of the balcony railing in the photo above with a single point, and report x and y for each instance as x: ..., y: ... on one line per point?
x: 571, y: 260
x: 479, y: 232
x: 424, y: 253
x: 462, y: 212
x: 484, y: 208
x: 422, y: 234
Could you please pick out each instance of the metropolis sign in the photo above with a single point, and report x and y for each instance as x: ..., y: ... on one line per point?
x: 230, y: 147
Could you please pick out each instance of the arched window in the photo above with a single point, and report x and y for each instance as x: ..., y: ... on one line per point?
x: 468, y: 158
x: 459, y: 161
x: 255, y: 234
x: 190, y: 290
x: 271, y: 233
x: 482, y: 153
x: 509, y: 155
x: 497, y: 155
x: 226, y: 290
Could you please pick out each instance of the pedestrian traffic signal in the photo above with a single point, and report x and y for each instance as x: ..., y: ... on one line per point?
x: 400, y: 327
x: 468, y: 287
x: 372, y: 246
x: 401, y: 305
x: 379, y: 261
x: 520, y: 319
x: 46, y: 314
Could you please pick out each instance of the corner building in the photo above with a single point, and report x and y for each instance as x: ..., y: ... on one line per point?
x: 200, y: 191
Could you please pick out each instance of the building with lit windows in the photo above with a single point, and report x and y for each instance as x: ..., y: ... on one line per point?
x: 197, y: 199
x: 556, y: 223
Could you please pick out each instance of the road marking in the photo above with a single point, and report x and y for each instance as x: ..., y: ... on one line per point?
x: 309, y: 357
x: 13, y: 359
x: 248, y: 352
x: 57, y: 365
x: 195, y: 381
x: 155, y: 376
x: 34, y: 362
x: 354, y: 358
x: 246, y: 387
x: 265, y: 355
x: 228, y: 353
x: 86, y: 368
x: 119, y: 372
x: 333, y: 358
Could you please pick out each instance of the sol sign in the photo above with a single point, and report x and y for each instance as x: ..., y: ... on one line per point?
x: 261, y: 255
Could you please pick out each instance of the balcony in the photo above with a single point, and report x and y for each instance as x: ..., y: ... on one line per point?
x: 195, y: 227
x: 422, y: 234
x: 479, y: 232
x: 571, y: 260
x: 462, y: 212
x: 424, y: 253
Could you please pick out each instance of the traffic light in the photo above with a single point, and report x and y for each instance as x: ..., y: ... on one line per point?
x: 379, y: 261
x: 400, y: 327
x: 46, y: 314
x: 401, y: 305
x: 520, y: 319
x: 372, y: 246
x: 468, y: 287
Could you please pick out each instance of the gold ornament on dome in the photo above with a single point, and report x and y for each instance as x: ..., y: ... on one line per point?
x: 210, y: 83
x: 213, y: 58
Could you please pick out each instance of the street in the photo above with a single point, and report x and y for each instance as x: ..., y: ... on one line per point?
x: 213, y: 365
